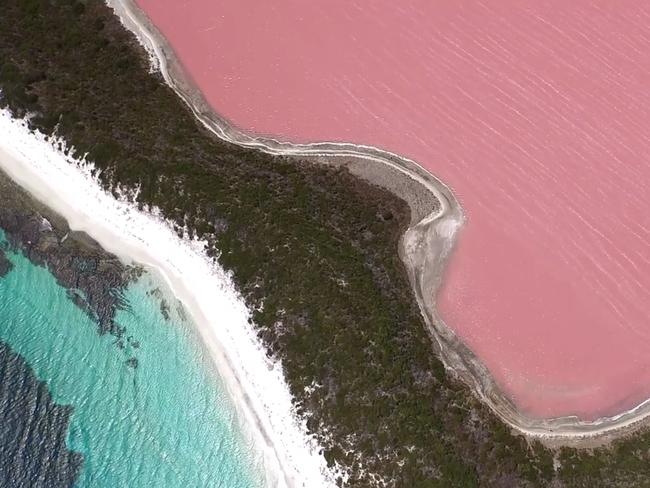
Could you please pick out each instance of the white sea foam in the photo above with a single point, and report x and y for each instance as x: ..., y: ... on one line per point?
x: 206, y: 290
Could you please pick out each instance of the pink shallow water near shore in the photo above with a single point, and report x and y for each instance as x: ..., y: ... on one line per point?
x: 534, y: 113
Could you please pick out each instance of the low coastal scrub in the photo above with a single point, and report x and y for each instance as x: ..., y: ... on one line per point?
x: 312, y: 249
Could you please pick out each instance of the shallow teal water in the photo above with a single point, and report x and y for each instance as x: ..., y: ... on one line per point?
x: 166, y: 423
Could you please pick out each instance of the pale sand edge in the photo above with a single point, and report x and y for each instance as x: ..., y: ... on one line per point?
x: 424, y: 247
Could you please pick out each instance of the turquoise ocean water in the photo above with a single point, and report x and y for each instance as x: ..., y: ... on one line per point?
x: 166, y: 423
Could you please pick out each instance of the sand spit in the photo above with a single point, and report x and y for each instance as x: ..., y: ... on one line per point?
x: 436, y: 219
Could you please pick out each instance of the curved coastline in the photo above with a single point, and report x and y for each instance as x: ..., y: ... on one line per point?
x: 424, y: 247
x: 255, y: 382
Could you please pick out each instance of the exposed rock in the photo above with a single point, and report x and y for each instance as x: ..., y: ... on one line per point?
x: 5, y: 264
x: 94, y: 278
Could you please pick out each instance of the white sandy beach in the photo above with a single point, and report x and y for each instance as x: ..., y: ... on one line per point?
x: 205, y: 289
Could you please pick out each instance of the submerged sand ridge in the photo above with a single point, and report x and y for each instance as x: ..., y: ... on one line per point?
x: 425, y: 247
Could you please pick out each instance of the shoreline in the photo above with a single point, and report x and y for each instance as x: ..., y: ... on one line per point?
x: 255, y: 383
x: 424, y: 247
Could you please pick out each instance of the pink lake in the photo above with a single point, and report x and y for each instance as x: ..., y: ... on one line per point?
x: 535, y: 113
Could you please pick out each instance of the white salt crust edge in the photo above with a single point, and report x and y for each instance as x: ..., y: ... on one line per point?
x: 425, y: 246
x: 291, y: 457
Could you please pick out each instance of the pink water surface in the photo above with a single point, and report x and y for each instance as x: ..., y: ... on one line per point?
x: 536, y: 113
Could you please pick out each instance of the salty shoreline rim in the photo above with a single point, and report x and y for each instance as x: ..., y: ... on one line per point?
x: 424, y: 247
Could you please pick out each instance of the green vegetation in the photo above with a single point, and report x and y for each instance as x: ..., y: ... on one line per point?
x: 312, y: 249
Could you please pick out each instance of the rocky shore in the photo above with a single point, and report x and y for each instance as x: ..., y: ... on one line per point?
x: 93, y: 278
x: 5, y: 264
